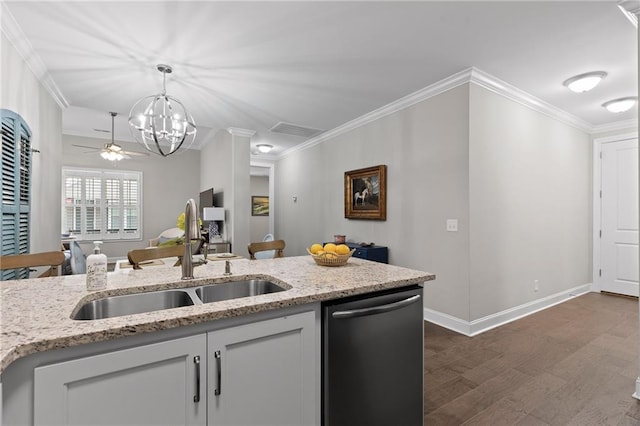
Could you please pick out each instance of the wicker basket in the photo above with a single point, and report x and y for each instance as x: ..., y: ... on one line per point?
x: 331, y: 259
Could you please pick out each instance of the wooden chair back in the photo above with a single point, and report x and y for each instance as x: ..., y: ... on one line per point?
x: 277, y: 246
x: 142, y: 255
x: 52, y: 259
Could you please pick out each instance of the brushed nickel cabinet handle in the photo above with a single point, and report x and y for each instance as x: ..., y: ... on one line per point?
x: 196, y: 361
x: 218, y: 357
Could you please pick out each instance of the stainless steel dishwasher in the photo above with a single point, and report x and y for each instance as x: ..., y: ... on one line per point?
x: 372, y: 359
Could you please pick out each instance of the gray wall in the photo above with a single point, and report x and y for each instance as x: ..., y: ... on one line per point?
x: 259, y: 224
x: 225, y: 167
x: 517, y: 181
x: 215, y: 173
x: 168, y: 182
x: 425, y: 148
x: 530, y: 204
x: 22, y: 93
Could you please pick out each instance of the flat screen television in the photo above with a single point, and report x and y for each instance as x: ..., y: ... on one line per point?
x: 206, y: 199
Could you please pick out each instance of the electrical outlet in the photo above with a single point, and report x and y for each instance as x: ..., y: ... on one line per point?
x: 535, y: 285
x: 452, y: 225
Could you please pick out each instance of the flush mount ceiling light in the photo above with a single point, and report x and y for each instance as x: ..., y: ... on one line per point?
x: 585, y: 82
x: 621, y: 104
x: 264, y: 148
x: 160, y: 122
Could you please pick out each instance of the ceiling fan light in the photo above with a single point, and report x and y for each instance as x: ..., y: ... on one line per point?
x: 585, y: 82
x: 620, y: 104
x: 264, y: 148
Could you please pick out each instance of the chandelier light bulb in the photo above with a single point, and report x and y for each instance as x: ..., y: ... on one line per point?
x: 585, y: 82
x: 620, y: 104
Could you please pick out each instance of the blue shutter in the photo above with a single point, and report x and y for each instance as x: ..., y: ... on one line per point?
x: 16, y: 189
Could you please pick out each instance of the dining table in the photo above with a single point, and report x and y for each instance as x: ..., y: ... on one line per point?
x: 124, y: 265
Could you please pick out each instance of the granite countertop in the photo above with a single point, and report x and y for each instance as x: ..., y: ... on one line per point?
x: 35, y: 314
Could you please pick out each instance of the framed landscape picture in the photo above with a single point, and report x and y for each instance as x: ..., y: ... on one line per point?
x: 259, y: 205
x: 365, y: 193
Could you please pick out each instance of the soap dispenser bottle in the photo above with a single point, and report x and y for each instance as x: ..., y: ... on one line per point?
x: 96, y: 269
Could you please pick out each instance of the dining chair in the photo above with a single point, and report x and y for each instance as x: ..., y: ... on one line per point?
x: 138, y: 256
x: 277, y: 246
x: 52, y: 259
x: 266, y: 254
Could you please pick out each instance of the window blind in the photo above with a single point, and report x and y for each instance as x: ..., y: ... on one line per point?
x: 102, y: 204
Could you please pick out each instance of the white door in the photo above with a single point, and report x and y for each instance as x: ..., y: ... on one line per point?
x: 619, y: 217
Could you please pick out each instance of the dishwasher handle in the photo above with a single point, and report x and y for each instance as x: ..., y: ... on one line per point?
x: 375, y: 309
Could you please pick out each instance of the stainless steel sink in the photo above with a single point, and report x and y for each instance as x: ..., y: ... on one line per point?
x: 115, y: 306
x: 236, y: 289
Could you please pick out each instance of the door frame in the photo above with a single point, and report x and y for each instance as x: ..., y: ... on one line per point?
x: 597, y: 205
x: 272, y: 192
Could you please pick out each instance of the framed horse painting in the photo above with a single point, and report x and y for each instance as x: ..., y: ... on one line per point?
x: 365, y: 193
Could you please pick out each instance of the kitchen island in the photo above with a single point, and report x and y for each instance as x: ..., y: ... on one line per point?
x: 38, y: 332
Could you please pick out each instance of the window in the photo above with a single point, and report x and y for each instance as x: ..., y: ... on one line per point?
x: 16, y: 189
x: 101, y: 204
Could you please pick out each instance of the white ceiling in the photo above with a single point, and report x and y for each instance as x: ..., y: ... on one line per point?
x: 251, y: 65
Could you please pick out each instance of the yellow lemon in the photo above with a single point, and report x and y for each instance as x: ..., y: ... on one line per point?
x: 342, y: 249
x: 330, y: 247
x: 330, y: 255
x: 319, y: 253
x: 315, y: 248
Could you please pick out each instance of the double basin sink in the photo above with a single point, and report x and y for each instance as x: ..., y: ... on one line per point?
x: 115, y: 306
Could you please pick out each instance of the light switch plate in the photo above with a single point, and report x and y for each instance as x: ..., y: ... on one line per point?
x: 452, y: 225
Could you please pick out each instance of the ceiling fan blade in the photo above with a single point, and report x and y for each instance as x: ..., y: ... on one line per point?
x: 136, y: 154
x: 88, y: 147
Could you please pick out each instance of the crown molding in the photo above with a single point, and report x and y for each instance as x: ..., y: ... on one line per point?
x: 442, y: 86
x: 236, y: 131
x: 16, y: 37
x: 469, y: 75
x: 631, y: 10
x: 615, y: 126
x: 508, y: 91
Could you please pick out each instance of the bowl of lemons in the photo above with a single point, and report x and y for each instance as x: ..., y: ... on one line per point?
x: 330, y: 254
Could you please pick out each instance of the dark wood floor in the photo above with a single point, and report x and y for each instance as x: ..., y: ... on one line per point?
x: 573, y: 364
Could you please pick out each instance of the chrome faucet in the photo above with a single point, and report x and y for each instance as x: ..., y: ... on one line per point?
x: 191, y: 233
x: 227, y: 267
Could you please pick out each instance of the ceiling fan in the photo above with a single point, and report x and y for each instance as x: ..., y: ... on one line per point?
x: 112, y: 151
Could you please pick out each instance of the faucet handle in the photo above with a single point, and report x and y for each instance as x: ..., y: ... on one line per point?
x: 205, y: 248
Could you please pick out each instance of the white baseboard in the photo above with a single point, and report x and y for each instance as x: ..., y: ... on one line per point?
x: 495, y: 320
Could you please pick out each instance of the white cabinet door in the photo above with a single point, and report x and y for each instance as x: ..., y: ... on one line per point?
x: 264, y: 373
x: 154, y: 384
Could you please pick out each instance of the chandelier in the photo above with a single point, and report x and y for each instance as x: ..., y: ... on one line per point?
x: 160, y: 122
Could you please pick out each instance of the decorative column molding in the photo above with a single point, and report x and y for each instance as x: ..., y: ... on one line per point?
x: 236, y: 131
